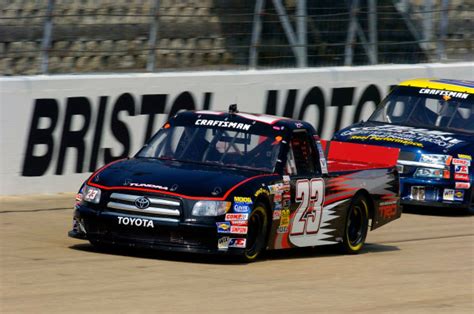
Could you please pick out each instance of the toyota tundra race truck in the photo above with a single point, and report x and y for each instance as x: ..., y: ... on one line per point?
x: 432, y: 122
x: 238, y: 183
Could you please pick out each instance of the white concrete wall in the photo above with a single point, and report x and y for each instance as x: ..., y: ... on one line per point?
x: 105, y: 116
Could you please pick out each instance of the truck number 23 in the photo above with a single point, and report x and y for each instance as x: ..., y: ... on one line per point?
x: 307, y: 219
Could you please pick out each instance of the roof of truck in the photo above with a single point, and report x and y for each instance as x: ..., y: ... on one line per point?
x: 445, y: 84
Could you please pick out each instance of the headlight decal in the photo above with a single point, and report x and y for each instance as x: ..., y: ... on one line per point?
x: 436, y: 159
x: 91, y: 194
x: 429, y: 173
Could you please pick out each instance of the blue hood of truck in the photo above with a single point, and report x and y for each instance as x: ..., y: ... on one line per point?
x: 407, y: 138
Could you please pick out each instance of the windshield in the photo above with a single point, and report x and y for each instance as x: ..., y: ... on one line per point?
x: 214, y: 146
x: 425, y: 107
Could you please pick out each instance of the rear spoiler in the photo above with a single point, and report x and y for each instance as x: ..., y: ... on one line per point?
x: 375, y: 156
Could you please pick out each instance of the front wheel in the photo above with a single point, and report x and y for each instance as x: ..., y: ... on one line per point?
x: 357, y: 225
x: 257, y: 233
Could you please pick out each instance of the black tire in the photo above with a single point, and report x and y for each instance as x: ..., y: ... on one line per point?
x: 257, y: 233
x: 357, y: 226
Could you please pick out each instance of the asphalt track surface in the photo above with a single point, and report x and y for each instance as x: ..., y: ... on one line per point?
x: 422, y: 263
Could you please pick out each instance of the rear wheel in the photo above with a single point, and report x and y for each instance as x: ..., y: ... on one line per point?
x: 257, y: 233
x: 357, y: 225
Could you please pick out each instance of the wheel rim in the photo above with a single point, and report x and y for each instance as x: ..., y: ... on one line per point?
x: 355, y: 225
x: 256, y: 233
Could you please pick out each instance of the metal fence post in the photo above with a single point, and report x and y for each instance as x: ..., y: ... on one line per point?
x: 373, y: 31
x: 150, y: 67
x: 302, y: 32
x: 290, y: 34
x: 427, y: 24
x: 351, y: 33
x: 46, y: 42
x: 256, y: 32
x: 443, y: 27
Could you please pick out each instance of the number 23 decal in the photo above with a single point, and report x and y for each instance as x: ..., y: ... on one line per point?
x: 307, y: 219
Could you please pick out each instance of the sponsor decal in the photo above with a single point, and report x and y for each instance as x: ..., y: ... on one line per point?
x: 286, y: 187
x: 298, y: 124
x: 320, y: 149
x: 223, y: 227
x: 448, y: 195
x: 137, y: 222
x: 276, y: 214
x: 459, y: 195
x: 464, y: 156
x: 388, y: 210
x: 277, y: 206
x: 386, y: 139
x: 274, y: 189
x: 238, y: 243
x: 148, y: 185
x: 78, y: 197
x: 286, y: 203
x: 286, y: 195
x: 231, y: 217
x: 223, y: 243
x: 461, y: 162
x: 463, y: 185
x: 461, y: 169
x: 285, y: 218
x: 324, y: 166
x: 277, y: 197
x: 402, y: 135
x: 241, y: 208
x: 238, y: 229
x: 286, y: 179
x: 239, y: 222
x: 430, y: 91
x: 223, y: 124
x: 261, y: 191
x: 461, y: 177
x: 244, y: 200
x: 281, y: 229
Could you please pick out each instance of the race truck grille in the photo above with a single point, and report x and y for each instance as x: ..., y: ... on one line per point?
x: 163, y: 208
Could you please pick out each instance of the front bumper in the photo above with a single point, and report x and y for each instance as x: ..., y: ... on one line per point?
x: 102, y: 227
x: 430, y: 193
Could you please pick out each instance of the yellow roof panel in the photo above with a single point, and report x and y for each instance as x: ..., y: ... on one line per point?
x: 452, y: 85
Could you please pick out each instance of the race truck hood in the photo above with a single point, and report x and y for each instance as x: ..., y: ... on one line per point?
x: 407, y: 138
x: 186, y: 179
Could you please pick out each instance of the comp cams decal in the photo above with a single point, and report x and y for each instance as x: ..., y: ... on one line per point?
x: 232, y: 217
x: 461, y: 162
